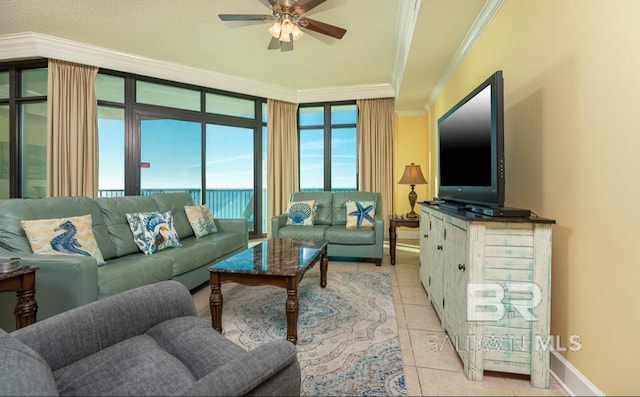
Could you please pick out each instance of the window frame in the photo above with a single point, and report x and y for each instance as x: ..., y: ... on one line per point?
x: 327, y: 128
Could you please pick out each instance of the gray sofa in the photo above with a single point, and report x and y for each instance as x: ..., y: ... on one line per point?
x: 67, y: 281
x: 145, y: 341
x: 330, y: 224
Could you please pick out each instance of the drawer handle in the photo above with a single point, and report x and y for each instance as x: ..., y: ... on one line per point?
x: 439, y: 247
x: 425, y: 235
x: 461, y: 266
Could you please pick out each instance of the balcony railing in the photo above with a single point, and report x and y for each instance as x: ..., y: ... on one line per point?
x: 224, y: 203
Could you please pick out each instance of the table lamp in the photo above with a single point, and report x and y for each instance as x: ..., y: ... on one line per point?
x: 412, y: 176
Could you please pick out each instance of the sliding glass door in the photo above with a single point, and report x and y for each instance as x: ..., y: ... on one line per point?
x: 230, y: 175
x: 170, y: 156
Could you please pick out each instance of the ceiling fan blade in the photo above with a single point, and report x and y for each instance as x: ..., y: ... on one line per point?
x: 245, y: 17
x: 310, y: 4
x: 321, y: 27
x: 286, y: 45
x: 268, y: 3
x: 274, y: 44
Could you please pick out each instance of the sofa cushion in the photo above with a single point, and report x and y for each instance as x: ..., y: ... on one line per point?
x: 323, y: 201
x: 12, y: 211
x: 134, y: 367
x: 63, y: 236
x: 225, y: 242
x: 131, y: 271
x: 339, y: 206
x: 315, y: 232
x: 339, y: 234
x: 175, y: 202
x: 201, y: 219
x: 193, y: 253
x: 114, y: 210
x: 300, y: 213
x: 360, y: 214
x: 153, y: 231
x: 22, y: 370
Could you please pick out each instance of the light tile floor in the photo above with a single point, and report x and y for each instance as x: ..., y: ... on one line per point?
x: 429, y: 371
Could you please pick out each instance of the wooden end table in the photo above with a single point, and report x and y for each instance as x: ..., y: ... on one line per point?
x: 23, y: 282
x: 395, y: 223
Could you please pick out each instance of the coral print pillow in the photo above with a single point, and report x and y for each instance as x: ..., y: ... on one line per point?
x: 153, y: 231
x: 63, y: 236
x: 360, y: 214
x: 201, y: 219
x: 301, y: 213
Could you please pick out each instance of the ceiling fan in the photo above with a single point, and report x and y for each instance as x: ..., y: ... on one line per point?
x: 289, y: 22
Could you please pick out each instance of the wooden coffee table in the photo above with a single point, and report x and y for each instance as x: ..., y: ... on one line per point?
x: 278, y: 261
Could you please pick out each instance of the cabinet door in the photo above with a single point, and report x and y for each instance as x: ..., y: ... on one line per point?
x: 436, y: 261
x: 424, y: 248
x: 455, y: 290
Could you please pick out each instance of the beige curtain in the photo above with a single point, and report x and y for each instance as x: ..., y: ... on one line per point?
x: 72, y: 130
x: 282, y: 156
x: 375, y: 150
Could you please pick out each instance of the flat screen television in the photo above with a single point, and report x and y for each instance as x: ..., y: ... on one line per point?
x: 471, y: 147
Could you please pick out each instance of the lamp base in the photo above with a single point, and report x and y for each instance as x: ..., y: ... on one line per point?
x: 412, y: 215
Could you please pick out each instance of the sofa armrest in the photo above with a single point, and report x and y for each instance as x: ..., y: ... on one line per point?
x: 246, y: 373
x: 85, y: 330
x: 277, y: 222
x: 62, y: 283
x: 232, y: 225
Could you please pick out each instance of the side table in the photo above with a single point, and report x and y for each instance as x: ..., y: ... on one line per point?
x: 22, y: 281
x: 396, y: 223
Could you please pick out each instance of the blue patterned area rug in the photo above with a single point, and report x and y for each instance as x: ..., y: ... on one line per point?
x: 348, y: 341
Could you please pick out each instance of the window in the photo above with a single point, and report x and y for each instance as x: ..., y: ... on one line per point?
x: 328, y: 147
x: 163, y: 136
x: 23, y: 129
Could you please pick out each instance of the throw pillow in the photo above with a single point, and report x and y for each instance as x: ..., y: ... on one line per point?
x: 201, y: 219
x: 301, y: 213
x: 360, y: 214
x: 63, y: 236
x: 153, y: 231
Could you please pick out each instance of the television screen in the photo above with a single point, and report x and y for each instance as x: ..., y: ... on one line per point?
x: 471, y: 149
x: 465, y: 138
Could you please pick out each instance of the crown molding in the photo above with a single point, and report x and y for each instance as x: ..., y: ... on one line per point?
x: 27, y: 45
x: 407, y: 16
x: 486, y: 15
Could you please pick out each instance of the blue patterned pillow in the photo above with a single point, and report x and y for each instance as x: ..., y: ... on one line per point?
x: 360, y: 214
x: 153, y: 231
x: 301, y: 213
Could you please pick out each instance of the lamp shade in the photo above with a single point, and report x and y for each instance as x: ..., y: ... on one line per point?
x: 412, y: 176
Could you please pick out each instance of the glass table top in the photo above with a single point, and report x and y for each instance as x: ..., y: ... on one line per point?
x: 276, y: 256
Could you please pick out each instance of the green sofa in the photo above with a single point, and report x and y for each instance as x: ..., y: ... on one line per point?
x: 64, y: 282
x: 330, y: 224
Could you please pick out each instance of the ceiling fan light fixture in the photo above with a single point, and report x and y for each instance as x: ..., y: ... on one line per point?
x: 275, y: 30
x: 296, y: 33
x: 287, y: 27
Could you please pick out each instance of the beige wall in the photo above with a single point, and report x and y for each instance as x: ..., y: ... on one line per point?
x: 411, y: 146
x: 572, y: 135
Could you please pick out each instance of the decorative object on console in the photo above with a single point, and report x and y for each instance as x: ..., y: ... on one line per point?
x: 63, y: 236
x: 301, y: 213
x: 360, y: 214
x: 201, y: 219
x: 153, y: 231
x: 412, y: 176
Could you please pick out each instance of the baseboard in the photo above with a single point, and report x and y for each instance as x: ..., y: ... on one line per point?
x: 569, y: 378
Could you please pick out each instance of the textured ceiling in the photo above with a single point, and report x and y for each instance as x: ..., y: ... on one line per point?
x: 375, y: 51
